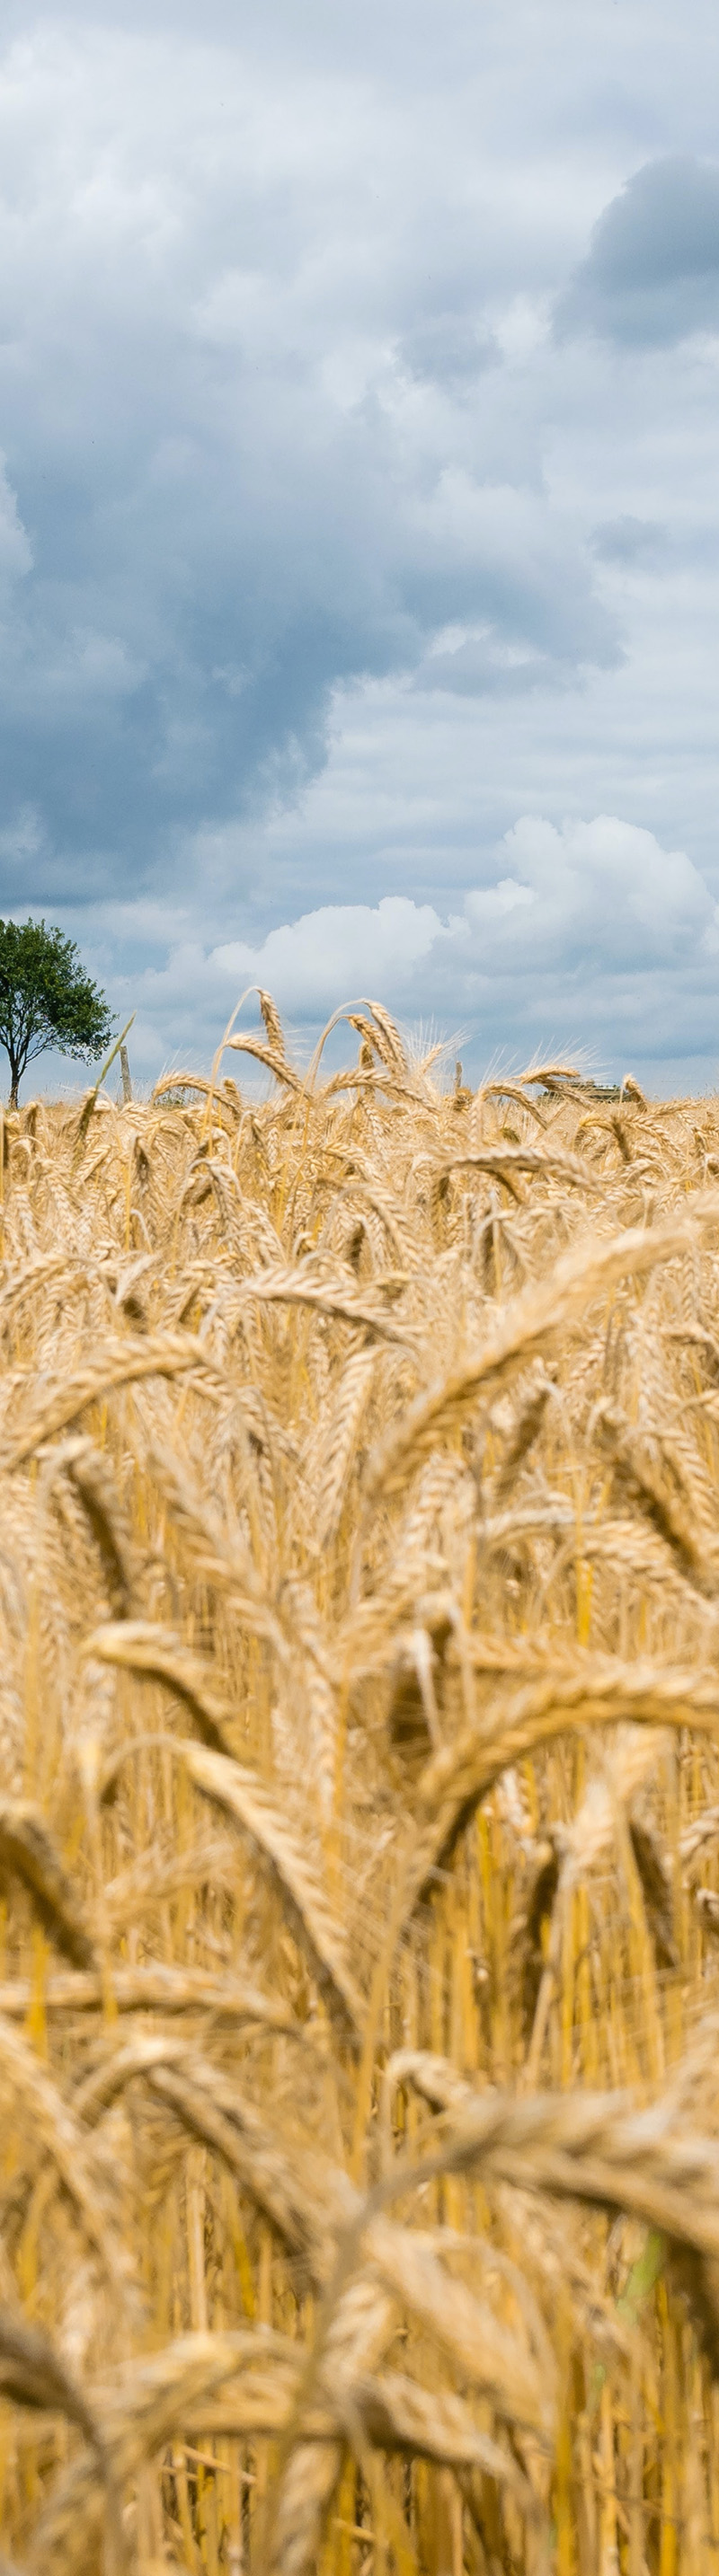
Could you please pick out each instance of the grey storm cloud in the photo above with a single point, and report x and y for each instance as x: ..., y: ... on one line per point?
x: 327, y: 549
x: 447, y: 348
x: 209, y: 528
x: 651, y: 274
x: 630, y: 541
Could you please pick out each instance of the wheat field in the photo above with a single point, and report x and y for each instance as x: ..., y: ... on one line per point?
x: 359, y: 1826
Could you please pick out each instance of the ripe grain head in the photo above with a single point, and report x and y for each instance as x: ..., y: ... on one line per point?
x: 360, y: 1727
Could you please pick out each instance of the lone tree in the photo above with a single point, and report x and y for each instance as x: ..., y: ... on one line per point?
x: 46, y: 999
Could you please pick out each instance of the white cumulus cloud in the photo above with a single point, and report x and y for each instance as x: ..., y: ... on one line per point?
x: 581, y: 934
x: 337, y: 951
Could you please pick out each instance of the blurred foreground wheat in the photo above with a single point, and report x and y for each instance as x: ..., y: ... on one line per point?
x: 359, y: 1828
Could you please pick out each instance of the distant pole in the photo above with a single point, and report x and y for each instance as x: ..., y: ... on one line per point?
x: 125, y: 1071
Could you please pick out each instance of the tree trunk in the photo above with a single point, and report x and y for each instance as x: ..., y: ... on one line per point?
x: 12, y: 1103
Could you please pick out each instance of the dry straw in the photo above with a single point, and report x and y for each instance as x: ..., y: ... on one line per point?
x: 359, y: 1825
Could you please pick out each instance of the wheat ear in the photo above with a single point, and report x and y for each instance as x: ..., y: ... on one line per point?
x: 529, y: 1325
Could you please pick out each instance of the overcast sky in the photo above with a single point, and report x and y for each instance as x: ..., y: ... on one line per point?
x: 359, y: 515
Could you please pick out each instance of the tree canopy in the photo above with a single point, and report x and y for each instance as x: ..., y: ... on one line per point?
x: 46, y: 999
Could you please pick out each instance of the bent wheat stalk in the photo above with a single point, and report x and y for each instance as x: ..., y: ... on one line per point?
x: 531, y: 1324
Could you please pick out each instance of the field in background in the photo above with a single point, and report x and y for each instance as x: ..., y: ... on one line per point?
x: 359, y: 1829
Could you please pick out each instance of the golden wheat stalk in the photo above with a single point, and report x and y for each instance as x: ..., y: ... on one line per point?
x: 427, y: 1564
x: 243, y: 1796
x: 28, y: 1854
x: 530, y: 1326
